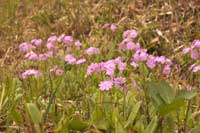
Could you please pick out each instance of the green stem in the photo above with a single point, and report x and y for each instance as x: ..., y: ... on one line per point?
x: 186, y: 116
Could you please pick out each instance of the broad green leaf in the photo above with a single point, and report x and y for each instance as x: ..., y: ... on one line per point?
x: 166, y: 92
x: 78, y: 125
x: 152, y: 125
x: 154, y: 93
x: 34, y: 113
x: 133, y: 114
x: 167, y: 108
x: 187, y: 95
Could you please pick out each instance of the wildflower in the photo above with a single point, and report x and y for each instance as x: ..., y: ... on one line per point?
x: 78, y: 44
x: 119, y: 81
x: 94, y: 67
x: 106, y: 85
x: 130, y: 34
x: 81, y: 61
x: 92, y: 50
x: 52, y: 39
x: 128, y: 44
x: 59, y: 72
x: 70, y: 59
x: 68, y: 39
x: 140, y: 55
x: 60, y: 38
x: 26, y: 47
x: 166, y: 69
x: 196, y: 43
x: 36, y: 42
x: 109, y: 67
x: 51, y: 47
x: 186, y: 50
x: 151, y: 62
x: 160, y: 59
x: 113, y: 27
x: 194, y: 54
x: 121, y: 66
x: 30, y: 72
x: 134, y: 64
x: 31, y: 56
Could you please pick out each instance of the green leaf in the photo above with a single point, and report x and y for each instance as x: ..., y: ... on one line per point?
x: 187, y: 95
x: 17, y: 117
x: 78, y: 125
x: 133, y: 114
x: 152, y: 125
x: 167, y: 108
x: 34, y: 113
x: 166, y: 92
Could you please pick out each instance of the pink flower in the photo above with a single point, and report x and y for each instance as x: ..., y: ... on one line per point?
x: 194, y: 54
x: 151, y: 62
x: 119, y: 81
x: 196, y: 43
x: 59, y: 72
x: 160, y: 59
x: 60, y: 38
x: 78, y: 44
x: 130, y: 34
x: 94, y: 67
x: 166, y: 69
x: 70, y: 59
x: 81, y: 61
x: 30, y: 72
x: 36, y: 42
x: 31, y: 56
x: 128, y: 44
x: 25, y: 47
x: 52, y: 39
x: 68, y: 39
x: 186, y: 50
x: 140, y: 55
x: 121, y: 66
x: 106, y: 85
x: 45, y: 55
x: 113, y: 27
x: 51, y: 47
x: 109, y: 67
x: 134, y: 64
x: 92, y: 50
x: 196, y: 69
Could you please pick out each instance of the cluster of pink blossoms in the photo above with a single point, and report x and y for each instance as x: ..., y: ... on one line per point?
x: 141, y: 55
x: 109, y: 68
x: 112, y: 27
x: 53, y: 45
x: 194, y: 54
x: 30, y: 72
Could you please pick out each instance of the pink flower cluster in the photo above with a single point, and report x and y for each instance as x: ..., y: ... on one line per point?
x: 107, y: 66
x: 57, y: 71
x: 194, y: 68
x: 70, y: 59
x: 141, y: 55
x: 108, y: 84
x: 30, y: 72
x: 112, y: 27
x: 193, y: 49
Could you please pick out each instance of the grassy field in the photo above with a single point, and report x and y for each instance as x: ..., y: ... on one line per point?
x: 64, y: 89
